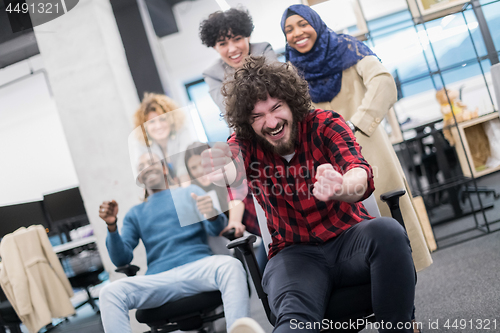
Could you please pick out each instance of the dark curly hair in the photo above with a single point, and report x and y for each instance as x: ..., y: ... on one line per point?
x: 232, y: 22
x: 253, y: 82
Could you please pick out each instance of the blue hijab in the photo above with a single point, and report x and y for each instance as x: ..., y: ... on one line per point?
x: 332, y: 53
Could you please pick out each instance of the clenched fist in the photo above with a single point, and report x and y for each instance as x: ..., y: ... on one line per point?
x: 108, y: 211
x: 328, y: 185
x: 215, y: 159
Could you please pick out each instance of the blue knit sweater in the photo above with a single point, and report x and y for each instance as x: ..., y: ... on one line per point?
x: 156, y: 222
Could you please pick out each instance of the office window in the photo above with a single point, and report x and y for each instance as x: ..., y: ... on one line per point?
x: 342, y: 16
x: 401, y: 51
x: 450, y: 39
x: 419, y: 86
x: 373, y: 10
x: 410, y: 52
x: 492, y: 16
x: 390, y: 23
x: 484, y: 2
x: 208, y: 113
x: 470, y: 17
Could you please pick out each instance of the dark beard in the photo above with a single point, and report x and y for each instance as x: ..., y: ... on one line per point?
x: 281, y: 149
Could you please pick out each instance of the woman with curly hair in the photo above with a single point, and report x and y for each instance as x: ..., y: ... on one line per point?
x: 344, y: 75
x: 165, y: 133
x: 229, y: 33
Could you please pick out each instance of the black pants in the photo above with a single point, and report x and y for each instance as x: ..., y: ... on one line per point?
x: 300, y: 278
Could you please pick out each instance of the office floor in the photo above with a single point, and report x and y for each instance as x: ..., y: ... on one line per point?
x: 85, y: 321
x: 462, y: 283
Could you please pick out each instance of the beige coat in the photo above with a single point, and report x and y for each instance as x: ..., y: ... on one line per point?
x: 33, y: 279
x: 368, y: 92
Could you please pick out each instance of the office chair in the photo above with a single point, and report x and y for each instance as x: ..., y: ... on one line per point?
x: 8, y: 316
x: 193, y: 313
x: 86, y: 267
x: 346, y: 304
x: 86, y: 280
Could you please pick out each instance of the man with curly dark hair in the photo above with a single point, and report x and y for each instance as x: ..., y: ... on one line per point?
x: 250, y: 87
x: 306, y: 170
x: 228, y: 32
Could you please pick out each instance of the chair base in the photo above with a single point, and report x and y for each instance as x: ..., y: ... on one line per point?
x: 91, y: 300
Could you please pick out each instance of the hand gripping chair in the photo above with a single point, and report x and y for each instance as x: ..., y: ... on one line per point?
x: 346, y: 304
x: 192, y: 313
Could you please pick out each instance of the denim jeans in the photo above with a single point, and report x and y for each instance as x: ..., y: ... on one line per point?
x: 217, y: 272
x: 299, y: 279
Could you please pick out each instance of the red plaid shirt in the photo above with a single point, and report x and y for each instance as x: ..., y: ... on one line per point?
x: 284, y: 189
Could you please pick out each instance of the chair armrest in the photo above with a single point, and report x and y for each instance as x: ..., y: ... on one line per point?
x: 392, y: 200
x: 392, y: 195
x: 129, y: 270
x: 245, y: 247
x: 242, y: 242
x: 229, y: 234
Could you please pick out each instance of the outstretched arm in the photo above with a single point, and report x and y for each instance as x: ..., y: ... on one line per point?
x: 332, y: 185
x: 348, y: 177
x: 120, y: 247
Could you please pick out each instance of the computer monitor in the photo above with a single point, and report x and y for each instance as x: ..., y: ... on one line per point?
x: 66, y: 206
x: 13, y: 217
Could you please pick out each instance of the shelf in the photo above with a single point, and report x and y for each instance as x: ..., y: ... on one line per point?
x: 74, y: 244
x: 465, y: 154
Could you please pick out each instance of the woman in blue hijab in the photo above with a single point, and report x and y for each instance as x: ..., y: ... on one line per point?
x: 344, y: 75
x: 318, y: 52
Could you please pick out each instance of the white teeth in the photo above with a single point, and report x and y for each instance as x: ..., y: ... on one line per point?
x: 278, y: 130
x: 236, y: 56
x: 303, y: 41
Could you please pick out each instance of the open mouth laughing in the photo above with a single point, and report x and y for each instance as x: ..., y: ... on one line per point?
x: 276, y: 134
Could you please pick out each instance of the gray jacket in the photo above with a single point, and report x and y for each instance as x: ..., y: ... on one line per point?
x: 215, y: 74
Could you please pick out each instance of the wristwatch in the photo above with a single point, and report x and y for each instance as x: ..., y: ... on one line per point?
x: 351, y: 126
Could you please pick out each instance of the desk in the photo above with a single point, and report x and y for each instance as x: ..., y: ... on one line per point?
x: 74, y: 244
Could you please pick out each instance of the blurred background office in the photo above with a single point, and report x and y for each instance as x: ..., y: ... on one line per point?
x: 69, y: 88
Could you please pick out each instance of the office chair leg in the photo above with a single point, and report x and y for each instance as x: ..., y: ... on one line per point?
x: 92, y: 301
x: 210, y: 328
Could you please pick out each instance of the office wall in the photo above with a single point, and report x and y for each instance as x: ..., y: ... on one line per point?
x: 35, y: 158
